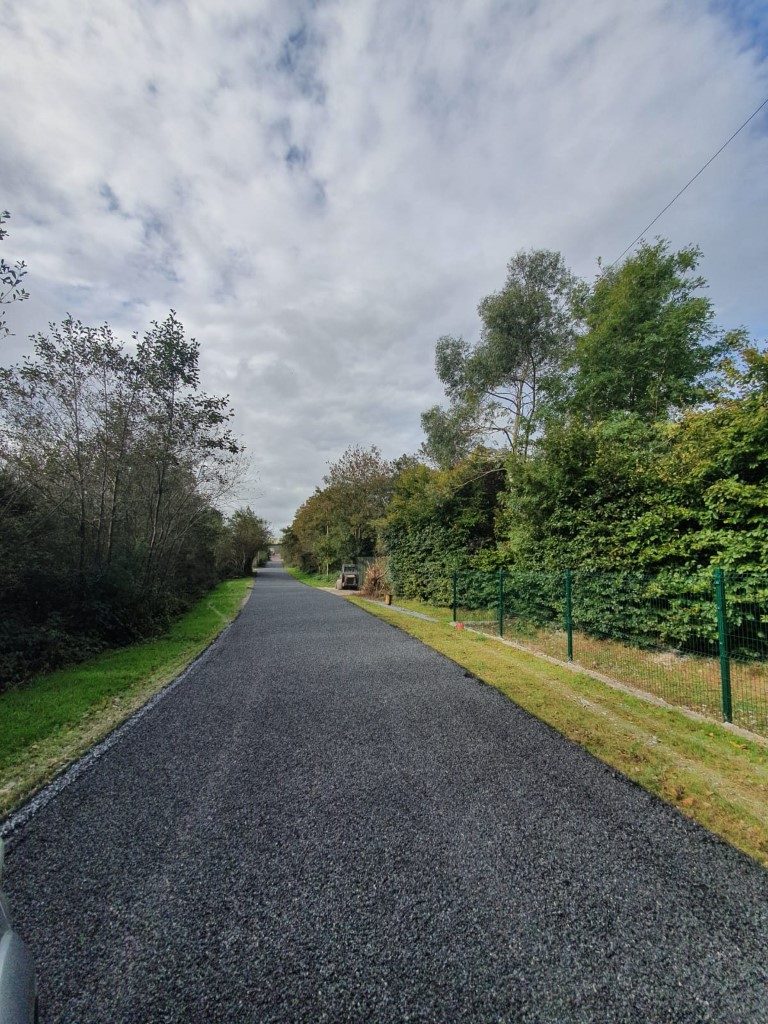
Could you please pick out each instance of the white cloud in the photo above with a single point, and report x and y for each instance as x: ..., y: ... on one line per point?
x: 321, y: 189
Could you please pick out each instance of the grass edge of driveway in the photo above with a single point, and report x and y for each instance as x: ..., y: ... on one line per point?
x: 712, y: 776
x: 321, y: 580
x: 57, y: 717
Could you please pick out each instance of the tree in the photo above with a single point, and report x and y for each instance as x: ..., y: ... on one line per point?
x: 650, y: 343
x: 316, y: 537
x: 61, y: 411
x: 714, y: 476
x: 578, y: 500
x: 11, y: 276
x: 628, y: 493
x: 188, y: 439
x: 339, y: 521
x: 291, y: 546
x: 111, y: 465
x: 359, y: 483
x: 244, y: 537
x: 438, y: 521
x: 496, y: 387
x: 450, y: 434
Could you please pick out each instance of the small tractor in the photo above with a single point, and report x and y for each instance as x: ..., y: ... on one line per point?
x: 349, y: 578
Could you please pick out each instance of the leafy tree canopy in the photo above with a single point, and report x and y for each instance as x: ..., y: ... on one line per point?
x: 111, y: 464
x: 245, y: 536
x: 495, y: 388
x: 649, y: 345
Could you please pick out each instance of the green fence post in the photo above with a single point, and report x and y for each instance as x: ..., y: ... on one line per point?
x: 454, y: 601
x: 501, y: 602
x: 722, y: 636
x: 568, y: 610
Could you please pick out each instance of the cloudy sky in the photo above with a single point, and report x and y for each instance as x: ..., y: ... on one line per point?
x: 321, y: 188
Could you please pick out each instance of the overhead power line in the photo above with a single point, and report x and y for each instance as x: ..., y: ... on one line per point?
x: 701, y: 170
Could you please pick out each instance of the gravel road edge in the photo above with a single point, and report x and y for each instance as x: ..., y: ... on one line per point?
x: 29, y: 807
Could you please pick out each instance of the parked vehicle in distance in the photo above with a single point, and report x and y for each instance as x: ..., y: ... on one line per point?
x: 18, y: 986
x: 349, y: 578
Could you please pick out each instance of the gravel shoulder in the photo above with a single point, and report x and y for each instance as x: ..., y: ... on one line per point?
x: 329, y: 821
x: 59, y: 717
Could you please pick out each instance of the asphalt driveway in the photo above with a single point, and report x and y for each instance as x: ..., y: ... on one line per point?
x: 328, y: 821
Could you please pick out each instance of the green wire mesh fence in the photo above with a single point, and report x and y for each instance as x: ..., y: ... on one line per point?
x: 695, y: 639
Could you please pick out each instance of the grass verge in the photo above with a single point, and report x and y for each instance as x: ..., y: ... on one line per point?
x: 688, y: 680
x: 710, y: 774
x: 313, y: 579
x: 56, y: 717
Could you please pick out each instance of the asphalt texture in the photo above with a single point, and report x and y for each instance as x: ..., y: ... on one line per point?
x: 328, y: 821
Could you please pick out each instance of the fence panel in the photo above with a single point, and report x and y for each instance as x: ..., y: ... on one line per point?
x: 476, y: 599
x: 658, y: 633
x: 746, y: 625
x: 697, y: 639
x: 534, y: 611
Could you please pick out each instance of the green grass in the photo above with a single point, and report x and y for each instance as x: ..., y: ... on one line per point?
x: 691, y: 681
x: 313, y: 579
x: 435, y: 610
x: 710, y: 773
x: 55, y: 717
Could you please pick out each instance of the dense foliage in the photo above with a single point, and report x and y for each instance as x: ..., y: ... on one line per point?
x: 243, y: 542
x: 649, y: 345
x: 338, y: 522
x: 610, y: 428
x: 439, y: 521
x: 112, y: 461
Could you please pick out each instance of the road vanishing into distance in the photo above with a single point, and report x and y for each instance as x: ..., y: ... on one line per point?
x: 327, y: 821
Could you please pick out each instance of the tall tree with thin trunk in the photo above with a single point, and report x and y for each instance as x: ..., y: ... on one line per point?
x: 495, y: 387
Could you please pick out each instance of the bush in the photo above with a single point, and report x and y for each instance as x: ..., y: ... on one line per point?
x: 376, y: 582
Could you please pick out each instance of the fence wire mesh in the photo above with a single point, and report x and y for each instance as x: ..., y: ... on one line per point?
x: 699, y: 640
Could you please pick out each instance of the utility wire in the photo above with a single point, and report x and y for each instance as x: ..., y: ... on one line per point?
x: 689, y: 183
